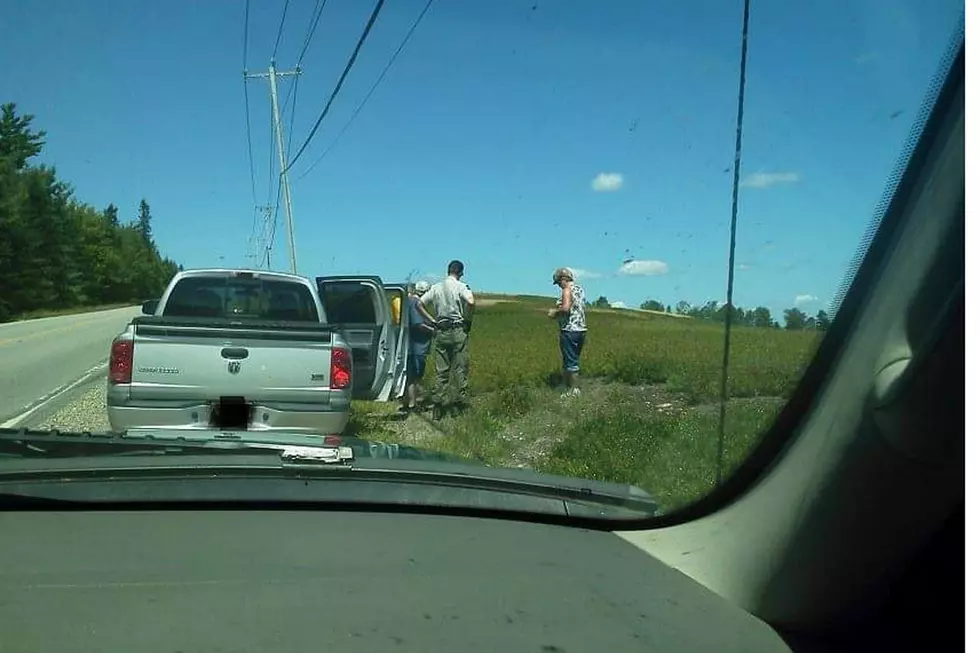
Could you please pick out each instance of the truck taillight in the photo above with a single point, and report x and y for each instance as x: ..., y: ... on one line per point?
x: 340, y: 369
x: 121, y: 362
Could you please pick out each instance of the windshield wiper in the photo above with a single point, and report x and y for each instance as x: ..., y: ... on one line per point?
x: 28, y: 443
x: 301, y: 456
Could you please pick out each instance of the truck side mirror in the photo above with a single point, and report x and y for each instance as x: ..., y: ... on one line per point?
x: 150, y: 306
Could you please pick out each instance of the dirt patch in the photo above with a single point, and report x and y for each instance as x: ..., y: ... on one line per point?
x: 714, y: 407
x: 664, y: 313
x: 517, y: 427
x: 490, y: 301
x: 384, y: 423
x: 636, y: 312
x: 535, y: 435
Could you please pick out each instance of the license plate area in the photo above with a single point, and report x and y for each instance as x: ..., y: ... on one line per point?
x: 231, y: 414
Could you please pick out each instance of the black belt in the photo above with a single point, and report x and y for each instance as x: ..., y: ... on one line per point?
x: 446, y: 325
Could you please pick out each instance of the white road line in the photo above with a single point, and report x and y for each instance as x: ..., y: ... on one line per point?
x: 54, y: 394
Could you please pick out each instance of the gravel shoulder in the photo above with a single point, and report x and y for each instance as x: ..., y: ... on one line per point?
x: 82, y: 410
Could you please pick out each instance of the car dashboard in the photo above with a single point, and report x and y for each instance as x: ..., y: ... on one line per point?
x: 303, y: 580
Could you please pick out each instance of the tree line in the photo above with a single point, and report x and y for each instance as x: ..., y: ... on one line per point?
x: 793, y: 318
x: 57, y: 252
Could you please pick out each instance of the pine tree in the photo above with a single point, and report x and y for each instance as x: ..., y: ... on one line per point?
x: 143, y: 223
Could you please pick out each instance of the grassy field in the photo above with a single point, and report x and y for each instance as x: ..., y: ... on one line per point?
x: 649, y: 410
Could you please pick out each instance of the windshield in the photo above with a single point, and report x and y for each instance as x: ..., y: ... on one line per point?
x: 593, y: 241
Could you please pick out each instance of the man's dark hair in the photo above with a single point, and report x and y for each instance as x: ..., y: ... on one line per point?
x: 456, y: 267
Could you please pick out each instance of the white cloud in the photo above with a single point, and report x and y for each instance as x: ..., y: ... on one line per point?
x: 584, y: 274
x: 743, y: 267
x: 805, y: 299
x: 640, y: 268
x: 769, y: 179
x: 607, y: 182
x: 618, y: 305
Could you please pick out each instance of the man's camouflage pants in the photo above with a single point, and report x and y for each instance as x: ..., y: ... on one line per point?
x: 450, y: 349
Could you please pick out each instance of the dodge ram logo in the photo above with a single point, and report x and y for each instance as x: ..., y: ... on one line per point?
x: 234, y: 367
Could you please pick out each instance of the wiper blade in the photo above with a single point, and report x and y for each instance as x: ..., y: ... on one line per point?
x: 510, y: 481
x: 305, y: 454
x: 291, y: 447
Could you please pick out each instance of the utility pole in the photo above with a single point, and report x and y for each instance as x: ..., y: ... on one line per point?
x: 272, y: 76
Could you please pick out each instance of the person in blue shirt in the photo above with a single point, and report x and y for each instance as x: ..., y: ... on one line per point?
x: 421, y: 326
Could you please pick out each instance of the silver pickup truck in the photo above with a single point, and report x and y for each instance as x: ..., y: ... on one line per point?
x: 234, y: 350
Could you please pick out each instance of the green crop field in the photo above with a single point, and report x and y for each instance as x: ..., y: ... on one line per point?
x: 649, y: 410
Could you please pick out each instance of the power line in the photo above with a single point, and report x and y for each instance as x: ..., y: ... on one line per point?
x: 265, y: 238
x: 248, y: 123
x: 311, y: 28
x: 292, y: 112
x: 248, y: 138
x: 340, y: 82
x: 291, y: 94
x: 314, y: 21
x: 245, y: 39
x: 275, y: 217
x: 274, y: 222
x: 253, y: 241
x: 367, y: 97
x: 251, y: 165
x: 272, y: 154
x: 282, y: 22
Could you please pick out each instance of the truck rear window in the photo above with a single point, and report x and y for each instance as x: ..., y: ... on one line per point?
x: 241, y: 298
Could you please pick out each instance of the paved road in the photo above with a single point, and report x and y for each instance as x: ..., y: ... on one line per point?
x: 40, y: 357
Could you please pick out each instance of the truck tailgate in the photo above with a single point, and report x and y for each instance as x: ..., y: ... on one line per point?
x: 177, y: 360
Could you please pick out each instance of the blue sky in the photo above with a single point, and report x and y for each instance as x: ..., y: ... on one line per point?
x: 492, y: 132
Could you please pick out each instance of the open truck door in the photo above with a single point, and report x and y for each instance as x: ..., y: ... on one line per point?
x: 360, y: 308
x: 402, y: 323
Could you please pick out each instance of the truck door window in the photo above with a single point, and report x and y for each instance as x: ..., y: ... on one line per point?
x: 349, y: 303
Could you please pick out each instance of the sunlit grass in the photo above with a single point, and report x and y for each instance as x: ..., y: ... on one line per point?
x: 672, y: 457
x: 649, y: 414
x: 514, y: 343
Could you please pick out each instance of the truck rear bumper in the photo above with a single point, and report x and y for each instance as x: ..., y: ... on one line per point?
x: 198, y: 417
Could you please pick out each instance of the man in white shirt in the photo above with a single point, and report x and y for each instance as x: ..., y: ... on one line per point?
x: 451, y: 302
